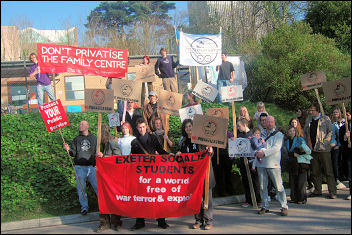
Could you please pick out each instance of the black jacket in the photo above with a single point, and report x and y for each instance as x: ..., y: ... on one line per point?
x: 151, y: 146
x: 84, y: 149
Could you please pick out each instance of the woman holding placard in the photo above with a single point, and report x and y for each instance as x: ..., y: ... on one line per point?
x: 186, y: 146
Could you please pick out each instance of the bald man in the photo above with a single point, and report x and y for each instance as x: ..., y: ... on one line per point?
x: 270, y: 167
x: 83, y: 149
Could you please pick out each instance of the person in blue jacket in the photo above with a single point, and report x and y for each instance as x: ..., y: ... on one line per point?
x: 298, y: 162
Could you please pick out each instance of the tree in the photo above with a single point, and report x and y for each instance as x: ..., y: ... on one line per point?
x: 332, y: 19
x: 287, y: 53
x: 137, y: 25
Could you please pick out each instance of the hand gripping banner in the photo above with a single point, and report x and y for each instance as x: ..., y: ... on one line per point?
x: 151, y: 186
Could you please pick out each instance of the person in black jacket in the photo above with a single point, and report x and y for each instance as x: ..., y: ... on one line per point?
x: 346, y: 149
x: 146, y: 143
x: 83, y: 148
x: 132, y: 115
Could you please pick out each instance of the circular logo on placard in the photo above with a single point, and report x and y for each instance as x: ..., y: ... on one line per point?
x: 191, y: 112
x: 126, y: 90
x: 339, y: 89
x: 232, y: 92
x: 209, y: 128
x: 98, y: 97
x: 204, y: 50
x: 241, y: 146
x: 206, y: 90
x: 170, y: 100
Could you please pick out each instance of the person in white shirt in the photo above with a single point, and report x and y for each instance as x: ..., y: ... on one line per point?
x: 126, y: 139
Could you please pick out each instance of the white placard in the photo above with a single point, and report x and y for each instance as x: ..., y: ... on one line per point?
x: 205, y: 91
x: 114, y: 119
x: 231, y: 93
x: 240, y: 147
x: 188, y: 112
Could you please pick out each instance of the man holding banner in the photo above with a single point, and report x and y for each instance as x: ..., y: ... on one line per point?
x: 226, y: 74
x: 83, y: 148
x: 146, y: 144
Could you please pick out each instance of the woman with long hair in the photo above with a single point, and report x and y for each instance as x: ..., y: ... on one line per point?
x: 108, y: 147
x: 243, y: 113
x: 126, y: 139
x: 296, y: 124
x: 186, y: 146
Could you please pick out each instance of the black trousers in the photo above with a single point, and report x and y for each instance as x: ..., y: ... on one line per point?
x: 298, y: 179
x: 245, y: 182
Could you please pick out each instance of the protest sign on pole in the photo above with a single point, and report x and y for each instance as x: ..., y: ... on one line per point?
x: 127, y: 90
x: 106, y: 62
x: 99, y: 100
x: 169, y: 102
x: 200, y: 49
x: 209, y: 131
x: 314, y: 80
x: 188, y: 112
x: 54, y: 115
x: 205, y: 91
x: 114, y: 121
x: 160, y: 186
x: 231, y: 93
x: 145, y: 73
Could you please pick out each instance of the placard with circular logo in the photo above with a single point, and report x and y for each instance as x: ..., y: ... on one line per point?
x: 240, y: 147
x: 205, y: 91
x: 99, y: 100
x: 313, y: 80
x: 127, y: 90
x: 337, y: 91
x: 189, y: 112
x: 169, y: 102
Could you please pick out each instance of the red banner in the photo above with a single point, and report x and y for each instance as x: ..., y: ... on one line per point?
x: 106, y: 62
x: 54, y: 115
x: 151, y: 186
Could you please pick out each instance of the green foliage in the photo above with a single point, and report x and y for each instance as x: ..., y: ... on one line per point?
x: 332, y: 19
x: 287, y: 53
x: 37, y: 179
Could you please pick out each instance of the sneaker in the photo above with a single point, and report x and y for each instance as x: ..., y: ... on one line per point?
x: 263, y: 211
x: 331, y: 196
x: 284, y: 212
x: 102, y: 228
x: 348, y: 197
x: 84, y: 212
x: 340, y: 186
x: 196, y: 226
x: 208, y: 227
x: 245, y: 205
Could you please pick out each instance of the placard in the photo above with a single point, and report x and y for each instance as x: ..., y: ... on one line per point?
x: 209, y: 131
x: 188, y: 112
x: 240, y: 147
x: 219, y: 112
x: 145, y: 73
x: 313, y: 80
x: 54, y: 115
x: 114, y: 119
x: 127, y: 90
x: 205, y: 91
x: 337, y: 91
x: 169, y: 102
x: 99, y: 100
x: 106, y: 62
x: 231, y: 93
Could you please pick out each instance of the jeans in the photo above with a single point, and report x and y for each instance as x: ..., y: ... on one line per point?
x: 120, y: 104
x: 275, y: 176
x: 40, y: 93
x: 83, y: 173
x: 205, y: 216
x: 222, y: 83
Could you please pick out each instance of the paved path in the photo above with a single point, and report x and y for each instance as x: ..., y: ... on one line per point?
x: 318, y: 216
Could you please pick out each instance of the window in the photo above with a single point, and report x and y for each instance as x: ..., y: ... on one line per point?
x: 18, y: 96
x: 74, y: 87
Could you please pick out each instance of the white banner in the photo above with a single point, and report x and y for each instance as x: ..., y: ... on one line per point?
x: 231, y: 93
x: 205, y: 91
x: 188, y: 112
x: 200, y: 49
x: 240, y: 147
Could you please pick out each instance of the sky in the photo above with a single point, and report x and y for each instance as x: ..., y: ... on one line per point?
x: 50, y: 15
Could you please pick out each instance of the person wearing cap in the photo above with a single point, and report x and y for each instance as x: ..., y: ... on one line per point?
x: 150, y: 112
x: 166, y: 66
x: 226, y: 74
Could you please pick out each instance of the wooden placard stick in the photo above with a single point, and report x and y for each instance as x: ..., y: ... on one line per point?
x: 346, y: 122
x: 254, y: 201
x: 234, y: 120
x: 115, y: 131
x: 217, y: 157
x: 99, y: 132
x: 166, y: 130
x: 206, y: 189
x: 73, y: 167
x: 318, y: 98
